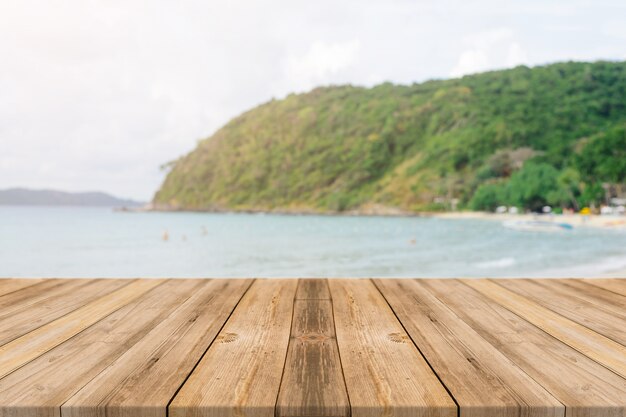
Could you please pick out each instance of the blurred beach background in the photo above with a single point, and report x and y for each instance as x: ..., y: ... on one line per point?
x: 100, y: 242
x: 386, y: 138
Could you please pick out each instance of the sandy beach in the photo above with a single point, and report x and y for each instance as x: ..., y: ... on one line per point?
x: 576, y: 220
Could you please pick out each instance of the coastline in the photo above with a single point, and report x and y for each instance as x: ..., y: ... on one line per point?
x: 378, y: 210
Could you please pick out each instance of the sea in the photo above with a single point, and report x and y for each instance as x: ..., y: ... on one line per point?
x: 101, y: 242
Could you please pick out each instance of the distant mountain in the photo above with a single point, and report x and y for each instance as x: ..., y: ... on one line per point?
x: 522, y: 137
x: 27, y: 197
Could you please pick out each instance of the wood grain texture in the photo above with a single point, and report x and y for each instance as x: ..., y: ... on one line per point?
x: 618, y: 286
x: 566, y: 302
x: 9, y: 285
x: 384, y: 372
x: 482, y: 380
x: 597, y: 347
x: 312, y: 348
x: 31, y: 345
x: 313, y: 383
x: 40, y: 304
x: 25, y: 297
x: 42, y: 386
x: 142, y: 381
x: 312, y: 289
x: 593, y: 294
x: 586, y: 388
x: 241, y: 372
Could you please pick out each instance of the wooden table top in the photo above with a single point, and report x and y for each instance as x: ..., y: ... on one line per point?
x: 316, y: 348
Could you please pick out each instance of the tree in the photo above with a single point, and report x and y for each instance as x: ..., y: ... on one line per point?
x: 487, y: 197
x: 531, y: 186
x: 603, y: 159
x: 567, y: 191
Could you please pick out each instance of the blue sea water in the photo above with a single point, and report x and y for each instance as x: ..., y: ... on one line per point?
x: 98, y: 242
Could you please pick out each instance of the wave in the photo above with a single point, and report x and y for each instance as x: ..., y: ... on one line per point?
x: 496, y: 263
x: 606, y: 267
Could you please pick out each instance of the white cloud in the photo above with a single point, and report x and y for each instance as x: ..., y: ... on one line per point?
x: 321, y: 63
x: 516, y: 55
x: 496, y: 48
x: 471, y: 61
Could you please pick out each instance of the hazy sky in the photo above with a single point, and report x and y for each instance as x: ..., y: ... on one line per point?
x: 96, y: 95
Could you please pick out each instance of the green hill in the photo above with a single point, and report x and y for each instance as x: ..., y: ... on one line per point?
x: 526, y: 137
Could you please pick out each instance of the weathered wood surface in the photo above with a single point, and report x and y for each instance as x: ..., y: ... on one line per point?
x: 385, y: 373
x: 145, y: 378
x: 241, y: 372
x: 583, y: 386
x: 590, y: 343
x: 568, y: 304
x: 313, y: 383
x: 483, y: 381
x: 29, y: 346
x: 26, y: 310
x: 313, y: 348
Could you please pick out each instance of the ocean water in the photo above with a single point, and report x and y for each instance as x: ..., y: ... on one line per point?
x: 97, y: 242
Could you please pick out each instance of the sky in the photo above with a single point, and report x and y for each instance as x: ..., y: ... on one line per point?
x: 98, y: 94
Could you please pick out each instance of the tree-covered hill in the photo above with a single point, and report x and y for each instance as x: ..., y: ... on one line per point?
x: 554, y: 135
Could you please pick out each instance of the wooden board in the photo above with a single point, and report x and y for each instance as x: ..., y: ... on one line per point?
x: 583, y: 386
x: 312, y: 348
x: 313, y: 383
x: 25, y: 348
x: 40, y: 387
x: 385, y: 373
x: 606, y: 299
x: 23, y: 298
x: 568, y: 304
x: 618, y: 286
x: 482, y: 380
x: 40, y: 304
x: 313, y: 289
x: 145, y: 378
x: 240, y: 374
x: 8, y: 286
x: 593, y: 345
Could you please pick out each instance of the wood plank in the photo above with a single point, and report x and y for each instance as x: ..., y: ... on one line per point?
x: 25, y: 348
x: 9, y: 285
x: 616, y: 285
x: 38, y: 305
x: 593, y: 294
x: 384, y: 372
x: 312, y: 289
x: 599, y: 348
x: 32, y: 294
x: 241, y: 372
x: 40, y: 387
x: 586, y: 388
x: 145, y: 378
x: 566, y: 303
x: 482, y: 380
x: 313, y: 383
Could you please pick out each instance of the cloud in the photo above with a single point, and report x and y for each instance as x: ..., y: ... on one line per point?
x: 321, y: 63
x: 496, y: 48
x: 516, y: 55
x: 471, y: 61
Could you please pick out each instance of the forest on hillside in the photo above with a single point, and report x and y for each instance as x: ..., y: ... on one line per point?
x: 525, y: 137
